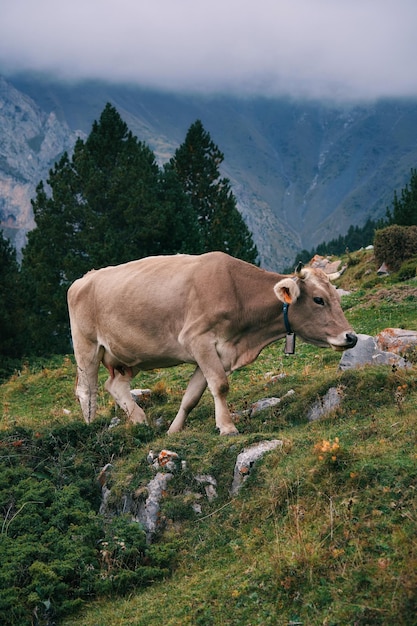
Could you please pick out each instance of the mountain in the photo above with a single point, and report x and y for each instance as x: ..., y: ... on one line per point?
x: 31, y: 141
x: 302, y: 171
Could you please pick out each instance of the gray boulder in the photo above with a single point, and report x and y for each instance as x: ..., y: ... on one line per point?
x: 247, y: 458
x: 367, y: 352
x: 397, y: 340
x: 328, y: 403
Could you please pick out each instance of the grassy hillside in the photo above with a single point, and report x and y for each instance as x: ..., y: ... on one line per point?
x: 322, y: 532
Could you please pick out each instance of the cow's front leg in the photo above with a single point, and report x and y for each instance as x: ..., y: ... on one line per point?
x: 191, y: 398
x: 118, y: 386
x: 216, y: 377
x: 219, y: 390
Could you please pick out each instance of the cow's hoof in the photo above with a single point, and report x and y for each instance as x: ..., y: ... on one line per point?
x: 229, y: 433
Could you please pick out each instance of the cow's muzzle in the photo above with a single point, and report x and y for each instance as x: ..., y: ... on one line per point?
x: 351, y: 340
x: 344, y: 342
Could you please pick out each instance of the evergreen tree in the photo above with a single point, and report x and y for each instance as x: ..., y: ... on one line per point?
x: 119, y: 184
x: 357, y: 237
x: 197, y: 163
x: 178, y: 230
x: 109, y: 204
x: 404, y: 208
x: 52, y: 259
x: 11, y: 339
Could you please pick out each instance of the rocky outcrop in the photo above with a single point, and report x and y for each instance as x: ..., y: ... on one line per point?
x: 368, y: 351
x: 325, y: 405
x: 246, y: 459
x: 144, y: 505
x: 397, y: 340
x: 31, y: 142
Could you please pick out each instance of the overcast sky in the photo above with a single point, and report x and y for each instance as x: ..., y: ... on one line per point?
x: 346, y: 49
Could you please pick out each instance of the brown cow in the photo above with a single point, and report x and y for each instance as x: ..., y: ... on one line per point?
x: 211, y: 310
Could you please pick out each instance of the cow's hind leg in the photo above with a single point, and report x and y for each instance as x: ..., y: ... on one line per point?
x: 191, y: 398
x: 118, y: 386
x: 88, y: 358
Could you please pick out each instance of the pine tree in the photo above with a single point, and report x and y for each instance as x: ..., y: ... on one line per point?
x: 11, y: 315
x: 404, y: 209
x: 119, y: 184
x: 51, y: 260
x: 197, y: 162
x: 179, y: 230
x: 108, y: 204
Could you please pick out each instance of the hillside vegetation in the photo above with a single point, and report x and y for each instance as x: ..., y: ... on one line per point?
x: 322, y: 532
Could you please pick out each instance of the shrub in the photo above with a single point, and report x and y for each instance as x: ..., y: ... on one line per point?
x: 56, y: 550
x: 395, y: 244
x: 408, y: 269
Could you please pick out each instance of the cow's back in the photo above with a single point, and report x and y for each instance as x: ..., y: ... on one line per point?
x: 161, y: 280
x: 155, y: 296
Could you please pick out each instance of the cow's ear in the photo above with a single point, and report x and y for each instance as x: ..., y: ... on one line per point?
x: 287, y: 290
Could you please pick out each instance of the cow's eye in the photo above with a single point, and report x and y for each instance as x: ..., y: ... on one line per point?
x: 319, y: 301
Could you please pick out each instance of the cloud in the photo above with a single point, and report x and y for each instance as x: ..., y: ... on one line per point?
x: 345, y: 49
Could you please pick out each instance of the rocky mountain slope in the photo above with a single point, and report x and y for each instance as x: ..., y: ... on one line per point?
x: 31, y: 141
x: 302, y: 172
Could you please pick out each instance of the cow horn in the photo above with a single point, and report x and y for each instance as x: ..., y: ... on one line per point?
x: 333, y: 276
x: 299, y: 267
x: 336, y: 275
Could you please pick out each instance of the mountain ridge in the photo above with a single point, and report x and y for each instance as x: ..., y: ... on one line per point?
x: 302, y: 172
x: 32, y: 140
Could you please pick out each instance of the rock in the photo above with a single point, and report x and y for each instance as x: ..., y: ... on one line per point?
x: 104, y: 474
x: 144, y: 503
x: 150, y: 457
x: 361, y: 354
x: 115, y: 421
x: 396, y: 340
x: 105, y: 494
x: 325, y: 405
x: 247, y: 458
x: 105, y: 491
x: 366, y: 352
x: 383, y: 270
x: 141, y: 396
x: 32, y: 141
x: 160, y: 423
x: 168, y: 459
x: 271, y: 378
x: 210, y: 485
x: 148, y: 512
x: 266, y: 403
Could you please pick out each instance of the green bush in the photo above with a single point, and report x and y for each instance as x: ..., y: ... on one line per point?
x: 395, y: 244
x: 56, y: 550
x: 408, y: 269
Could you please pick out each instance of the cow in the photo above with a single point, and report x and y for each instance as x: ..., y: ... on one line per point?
x: 212, y: 310
x: 331, y: 268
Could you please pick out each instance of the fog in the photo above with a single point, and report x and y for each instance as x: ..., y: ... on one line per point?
x: 341, y: 49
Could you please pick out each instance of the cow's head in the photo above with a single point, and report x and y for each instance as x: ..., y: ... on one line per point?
x: 315, y: 313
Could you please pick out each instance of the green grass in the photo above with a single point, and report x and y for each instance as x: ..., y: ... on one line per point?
x: 323, y: 531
